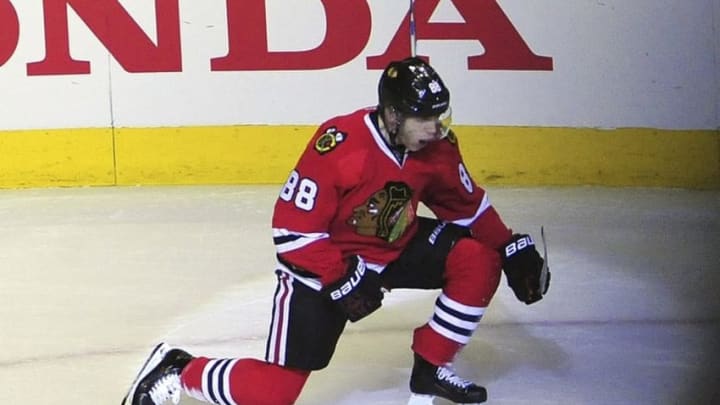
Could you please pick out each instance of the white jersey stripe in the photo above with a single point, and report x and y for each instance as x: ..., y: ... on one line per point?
x: 313, y: 283
x: 484, y: 205
x: 295, y: 240
x: 380, y: 141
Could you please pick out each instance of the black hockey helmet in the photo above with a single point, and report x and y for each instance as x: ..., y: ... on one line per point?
x: 413, y: 87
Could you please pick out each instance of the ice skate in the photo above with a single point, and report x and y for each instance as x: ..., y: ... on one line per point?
x: 429, y: 381
x: 159, y: 378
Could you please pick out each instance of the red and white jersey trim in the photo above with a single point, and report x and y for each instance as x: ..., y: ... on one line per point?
x: 484, y: 205
x: 298, y: 241
x: 380, y: 141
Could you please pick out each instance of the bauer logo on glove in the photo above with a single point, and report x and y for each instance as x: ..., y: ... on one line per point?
x: 527, y: 273
x: 358, y: 293
x: 349, y: 282
x: 518, y: 245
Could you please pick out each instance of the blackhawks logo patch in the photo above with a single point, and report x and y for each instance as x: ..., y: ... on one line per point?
x: 329, y: 140
x: 387, y: 213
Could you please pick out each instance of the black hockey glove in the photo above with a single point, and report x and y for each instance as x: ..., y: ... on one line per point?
x: 523, y: 268
x: 358, y: 293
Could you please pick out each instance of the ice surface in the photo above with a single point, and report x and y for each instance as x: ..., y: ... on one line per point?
x: 92, y: 278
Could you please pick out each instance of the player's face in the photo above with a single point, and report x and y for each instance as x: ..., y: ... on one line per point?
x: 417, y: 132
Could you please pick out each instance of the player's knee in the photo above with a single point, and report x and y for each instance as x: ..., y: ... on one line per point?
x: 470, y: 263
x: 469, y: 255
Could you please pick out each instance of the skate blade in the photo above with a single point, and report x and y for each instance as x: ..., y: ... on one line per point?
x: 152, y: 361
x: 419, y: 399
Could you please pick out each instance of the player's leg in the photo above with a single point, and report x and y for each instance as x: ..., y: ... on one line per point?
x: 445, y: 256
x: 304, y: 332
x: 242, y: 381
x: 472, y: 274
x: 168, y: 372
x: 303, y: 335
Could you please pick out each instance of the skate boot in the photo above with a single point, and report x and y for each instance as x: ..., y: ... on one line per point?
x: 159, y: 378
x: 429, y: 381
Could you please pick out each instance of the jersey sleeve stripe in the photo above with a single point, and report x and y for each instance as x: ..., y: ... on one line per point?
x: 287, y: 241
x: 484, y: 205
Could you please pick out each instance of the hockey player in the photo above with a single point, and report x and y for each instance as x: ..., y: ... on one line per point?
x: 346, y: 230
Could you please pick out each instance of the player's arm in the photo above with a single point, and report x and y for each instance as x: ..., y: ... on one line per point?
x: 457, y: 198
x: 345, y: 281
x: 454, y: 196
x: 301, y: 219
x: 303, y: 213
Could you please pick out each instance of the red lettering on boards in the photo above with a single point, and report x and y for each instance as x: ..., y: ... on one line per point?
x: 9, y: 31
x: 484, y: 21
x: 117, y: 31
x: 348, y: 31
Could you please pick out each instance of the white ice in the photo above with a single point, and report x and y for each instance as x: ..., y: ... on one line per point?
x: 92, y: 278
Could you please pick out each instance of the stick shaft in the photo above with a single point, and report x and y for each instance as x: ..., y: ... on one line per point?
x: 413, y: 35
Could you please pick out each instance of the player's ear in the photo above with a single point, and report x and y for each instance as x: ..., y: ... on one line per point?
x: 387, y: 112
x: 392, y: 117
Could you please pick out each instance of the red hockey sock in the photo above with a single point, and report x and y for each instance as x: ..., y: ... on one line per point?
x: 242, y: 382
x: 472, y: 276
x: 472, y: 271
x: 433, y: 347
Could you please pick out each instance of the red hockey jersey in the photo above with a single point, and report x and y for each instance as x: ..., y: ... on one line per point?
x: 350, y: 194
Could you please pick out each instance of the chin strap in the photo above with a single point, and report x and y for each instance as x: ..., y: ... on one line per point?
x: 391, y: 135
x: 398, y: 150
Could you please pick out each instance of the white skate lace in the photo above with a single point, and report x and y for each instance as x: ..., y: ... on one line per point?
x: 449, y: 376
x: 166, y: 388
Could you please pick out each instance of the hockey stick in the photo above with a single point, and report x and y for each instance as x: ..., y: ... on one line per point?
x: 413, y: 36
x: 544, y: 271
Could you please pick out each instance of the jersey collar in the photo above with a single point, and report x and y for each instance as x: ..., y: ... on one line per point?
x: 395, y: 154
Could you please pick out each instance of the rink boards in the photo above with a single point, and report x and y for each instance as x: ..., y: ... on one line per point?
x: 264, y: 154
x: 119, y: 92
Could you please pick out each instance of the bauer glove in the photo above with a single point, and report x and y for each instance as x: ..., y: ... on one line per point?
x: 524, y: 269
x: 358, y: 293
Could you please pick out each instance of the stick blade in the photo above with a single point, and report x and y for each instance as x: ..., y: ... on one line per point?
x: 544, y: 272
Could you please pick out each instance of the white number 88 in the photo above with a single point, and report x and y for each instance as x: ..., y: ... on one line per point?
x: 304, y: 191
x: 465, y: 178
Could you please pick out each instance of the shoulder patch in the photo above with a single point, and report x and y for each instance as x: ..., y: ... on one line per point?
x: 329, y: 140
